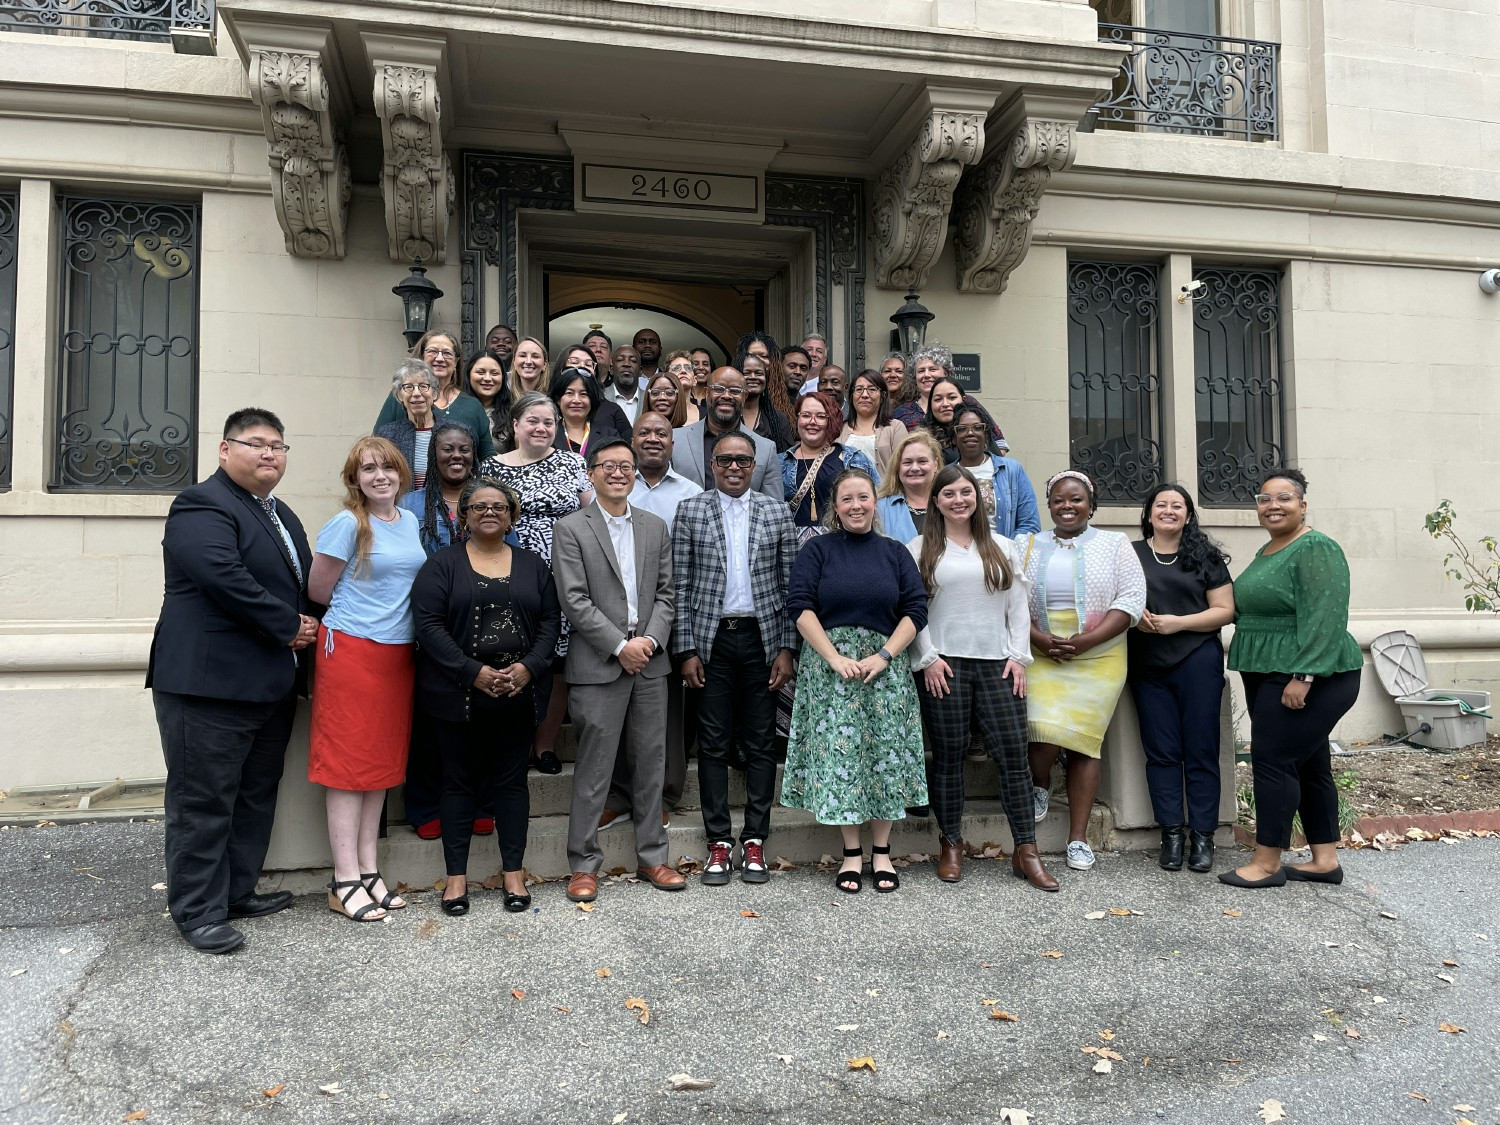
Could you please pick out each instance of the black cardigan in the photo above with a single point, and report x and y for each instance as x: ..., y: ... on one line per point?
x: 442, y: 603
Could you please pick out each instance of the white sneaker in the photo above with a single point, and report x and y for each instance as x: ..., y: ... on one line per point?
x: 1039, y: 799
x: 1080, y: 855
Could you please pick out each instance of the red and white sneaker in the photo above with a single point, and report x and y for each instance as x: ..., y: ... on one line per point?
x: 753, y: 867
x: 720, y: 865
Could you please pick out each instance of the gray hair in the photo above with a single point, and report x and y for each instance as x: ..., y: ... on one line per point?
x: 410, y: 371
x: 816, y: 336
x: 526, y: 400
x: 905, y: 363
x: 938, y: 353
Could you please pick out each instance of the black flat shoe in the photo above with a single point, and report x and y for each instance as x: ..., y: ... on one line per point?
x: 918, y: 810
x: 457, y: 907
x: 516, y: 903
x: 215, y: 937
x: 1201, y: 851
x: 1173, y: 837
x: 547, y: 762
x: 257, y: 906
x: 851, y: 882
x: 885, y: 881
x: 1336, y: 876
x: 1234, y: 879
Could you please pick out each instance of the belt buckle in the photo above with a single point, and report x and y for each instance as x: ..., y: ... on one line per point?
x: 732, y: 624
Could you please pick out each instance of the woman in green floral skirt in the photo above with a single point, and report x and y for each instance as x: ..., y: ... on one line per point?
x: 855, y: 751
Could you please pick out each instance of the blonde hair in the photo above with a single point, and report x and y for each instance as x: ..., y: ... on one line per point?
x: 355, y: 500
x: 890, y: 479
x: 543, y: 381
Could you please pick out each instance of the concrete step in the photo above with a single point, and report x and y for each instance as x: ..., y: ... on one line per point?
x: 795, y: 835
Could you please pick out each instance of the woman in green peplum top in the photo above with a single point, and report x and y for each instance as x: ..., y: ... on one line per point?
x: 1300, y: 668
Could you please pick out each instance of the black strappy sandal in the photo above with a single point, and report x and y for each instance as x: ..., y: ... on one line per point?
x: 388, y: 902
x: 885, y: 881
x: 851, y: 882
x: 339, y: 904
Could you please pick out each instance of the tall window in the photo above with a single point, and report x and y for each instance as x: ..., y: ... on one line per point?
x: 128, y: 378
x: 1237, y: 378
x: 7, y: 328
x: 1114, y: 385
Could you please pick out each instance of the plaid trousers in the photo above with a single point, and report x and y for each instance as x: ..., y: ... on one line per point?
x: 978, y: 694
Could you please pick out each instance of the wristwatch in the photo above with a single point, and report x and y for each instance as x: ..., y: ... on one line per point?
x: 1303, y: 677
x: 885, y: 652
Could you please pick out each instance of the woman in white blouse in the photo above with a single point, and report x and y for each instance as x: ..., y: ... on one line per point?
x: 1087, y: 589
x: 973, y: 655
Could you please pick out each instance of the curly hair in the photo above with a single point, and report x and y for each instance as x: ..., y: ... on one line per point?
x: 1197, y: 550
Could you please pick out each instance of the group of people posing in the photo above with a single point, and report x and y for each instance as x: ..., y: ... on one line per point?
x: 759, y: 572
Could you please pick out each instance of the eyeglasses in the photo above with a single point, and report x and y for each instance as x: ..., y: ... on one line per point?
x: 663, y: 392
x: 726, y: 392
x: 615, y: 468
x: 413, y: 388
x: 1264, y: 498
x: 865, y: 391
x: 486, y: 509
x: 806, y: 417
x: 440, y: 353
x: 278, y: 449
x: 743, y: 460
x: 969, y: 428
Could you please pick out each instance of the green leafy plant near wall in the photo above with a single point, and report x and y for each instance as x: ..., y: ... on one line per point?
x: 1477, y: 570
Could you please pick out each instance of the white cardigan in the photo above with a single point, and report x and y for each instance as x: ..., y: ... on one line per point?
x: 966, y: 619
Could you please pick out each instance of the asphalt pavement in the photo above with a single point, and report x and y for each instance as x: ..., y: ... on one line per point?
x: 1327, y: 1000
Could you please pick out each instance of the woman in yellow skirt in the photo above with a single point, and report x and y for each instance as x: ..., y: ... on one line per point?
x: 1087, y: 589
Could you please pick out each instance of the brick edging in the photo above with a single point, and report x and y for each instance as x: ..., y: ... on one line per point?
x: 1481, y: 820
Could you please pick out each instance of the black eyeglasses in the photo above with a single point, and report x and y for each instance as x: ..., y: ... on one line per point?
x: 486, y: 509
x: 743, y: 460
x: 277, y: 449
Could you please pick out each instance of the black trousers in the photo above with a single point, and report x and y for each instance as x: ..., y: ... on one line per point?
x: 737, y: 706
x: 486, y: 757
x: 979, y: 694
x: 423, y: 792
x: 1289, y: 757
x: 224, y: 760
x: 1179, y: 719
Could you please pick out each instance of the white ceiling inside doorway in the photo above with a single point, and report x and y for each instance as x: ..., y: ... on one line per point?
x: 621, y: 325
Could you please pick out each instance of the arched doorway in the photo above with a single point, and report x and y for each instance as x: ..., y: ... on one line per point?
x: 684, y: 315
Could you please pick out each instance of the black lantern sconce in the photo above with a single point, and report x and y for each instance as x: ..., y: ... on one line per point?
x: 911, y: 321
x: 417, y: 295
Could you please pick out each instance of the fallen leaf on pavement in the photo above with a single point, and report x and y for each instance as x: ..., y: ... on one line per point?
x: 865, y: 1063
x: 1351, y: 1033
x: 619, y: 1117
x: 1233, y: 913
x: 1106, y: 1053
x: 1089, y: 1050
x: 945, y: 1035
x: 602, y: 973
x: 518, y: 994
x: 1053, y: 953
x: 274, y: 1090
x: 1445, y: 977
x: 586, y: 907
x: 138, y: 1115
x: 427, y: 928
x: 1463, y: 1107
x: 1465, y: 1121
x: 1008, y: 1017
x: 1451, y: 964
x: 563, y: 1010
x: 1419, y: 1097
x: 494, y: 882
x: 1093, y: 915
x: 1389, y: 914
x: 785, y: 1060
x: 331, y: 1089
x: 1232, y: 1059
x: 1271, y: 1110
x: 783, y: 864
x: 1010, y: 1116
x: 688, y: 1082
x: 847, y: 1027
x: 1451, y: 1028
x: 872, y: 992
x: 636, y: 1004
x: 66, y: 949
x: 1103, y: 1066
x: 748, y: 914
x: 618, y: 870
x: 158, y: 886
x: 1119, y: 911
x: 989, y: 1003
x: 1107, y: 1034
x: 17, y: 972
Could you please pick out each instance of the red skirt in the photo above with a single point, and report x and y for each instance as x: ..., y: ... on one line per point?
x: 361, y: 713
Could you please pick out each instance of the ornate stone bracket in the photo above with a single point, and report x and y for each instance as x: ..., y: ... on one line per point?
x: 914, y: 194
x: 417, y: 179
x: 1000, y: 198
x: 295, y: 80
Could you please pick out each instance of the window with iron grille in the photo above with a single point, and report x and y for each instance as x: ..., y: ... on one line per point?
x: 1237, y: 382
x: 7, y: 329
x: 1114, y: 383
x: 128, y: 349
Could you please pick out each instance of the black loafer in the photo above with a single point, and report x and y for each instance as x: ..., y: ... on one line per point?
x: 547, y: 762
x: 1336, y: 876
x: 516, y: 903
x: 214, y: 937
x: 457, y: 907
x: 256, y: 906
x: 1235, y: 879
x: 918, y: 810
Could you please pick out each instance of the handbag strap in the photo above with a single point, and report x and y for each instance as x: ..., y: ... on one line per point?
x: 808, y: 482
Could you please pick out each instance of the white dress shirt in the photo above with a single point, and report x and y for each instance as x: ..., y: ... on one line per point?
x: 622, y: 538
x: 738, y: 600
x: 661, y: 499
x: 964, y: 618
x: 631, y: 406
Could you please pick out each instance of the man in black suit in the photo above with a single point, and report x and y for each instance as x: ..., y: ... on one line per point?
x: 224, y: 674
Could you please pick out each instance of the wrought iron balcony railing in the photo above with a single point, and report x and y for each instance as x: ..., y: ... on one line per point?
x: 1179, y: 82
x: 188, y: 24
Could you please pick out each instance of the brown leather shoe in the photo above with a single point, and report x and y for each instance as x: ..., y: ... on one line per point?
x: 663, y: 878
x: 666, y: 819
x: 583, y: 886
x: 1026, y: 864
x: 608, y: 817
x: 950, y: 865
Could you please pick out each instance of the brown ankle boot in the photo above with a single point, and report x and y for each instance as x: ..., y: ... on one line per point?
x: 1026, y: 864
x: 950, y: 865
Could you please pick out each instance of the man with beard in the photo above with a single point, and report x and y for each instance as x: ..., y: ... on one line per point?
x: 648, y: 346
x: 692, y: 446
x: 832, y: 381
x: 625, y: 391
x: 501, y: 340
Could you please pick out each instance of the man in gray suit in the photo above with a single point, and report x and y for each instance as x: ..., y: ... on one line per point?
x: 692, y: 446
x: 613, y: 565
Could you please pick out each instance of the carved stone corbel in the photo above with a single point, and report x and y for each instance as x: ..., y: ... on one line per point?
x: 417, y: 180
x: 303, y: 113
x: 914, y: 195
x: 1000, y: 198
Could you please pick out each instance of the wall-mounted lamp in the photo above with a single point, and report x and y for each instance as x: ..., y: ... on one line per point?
x: 417, y: 295
x: 911, y: 321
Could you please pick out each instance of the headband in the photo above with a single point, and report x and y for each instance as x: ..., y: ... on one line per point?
x: 1071, y: 474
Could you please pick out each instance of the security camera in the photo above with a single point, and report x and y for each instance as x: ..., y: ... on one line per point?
x: 1191, y: 291
x: 1489, y: 281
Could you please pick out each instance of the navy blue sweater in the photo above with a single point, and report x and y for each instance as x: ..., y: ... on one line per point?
x: 865, y: 580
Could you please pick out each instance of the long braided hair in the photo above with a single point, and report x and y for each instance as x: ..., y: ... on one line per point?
x: 434, y: 507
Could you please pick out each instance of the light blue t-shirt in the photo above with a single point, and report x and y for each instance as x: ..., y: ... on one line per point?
x: 375, y: 604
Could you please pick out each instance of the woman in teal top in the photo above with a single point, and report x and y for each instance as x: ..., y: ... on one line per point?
x: 1300, y: 668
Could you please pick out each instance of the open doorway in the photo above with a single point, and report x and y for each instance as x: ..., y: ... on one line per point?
x: 686, y: 315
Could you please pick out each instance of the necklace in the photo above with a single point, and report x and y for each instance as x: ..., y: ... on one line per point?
x: 395, y: 517
x: 1171, y: 560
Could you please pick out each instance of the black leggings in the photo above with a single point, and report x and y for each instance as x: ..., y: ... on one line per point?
x: 1289, y: 756
x: 489, y: 751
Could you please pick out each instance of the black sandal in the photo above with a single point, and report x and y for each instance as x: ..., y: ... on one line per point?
x: 851, y: 882
x: 339, y: 904
x: 885, y: 881
x: 370, y: 878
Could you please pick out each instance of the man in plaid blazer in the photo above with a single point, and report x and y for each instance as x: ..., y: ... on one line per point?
x: 732, y: 552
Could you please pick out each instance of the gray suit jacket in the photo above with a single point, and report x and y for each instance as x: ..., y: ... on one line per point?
x: 687, y: 459
x: 593, y: 595
x: 700, y: 572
